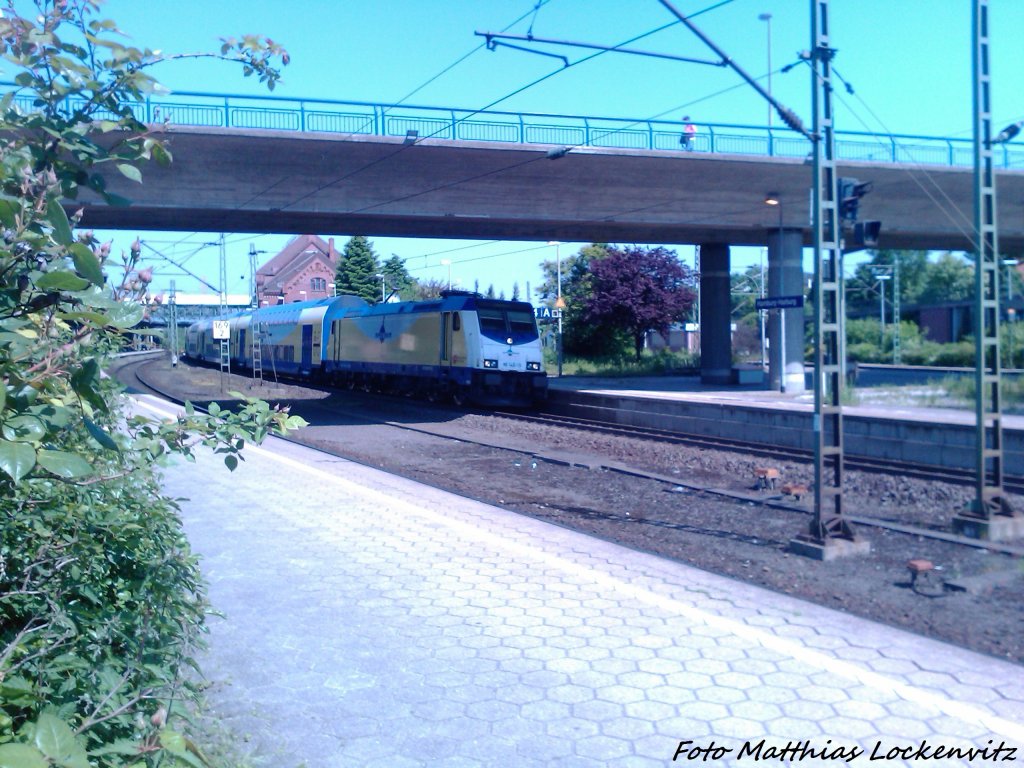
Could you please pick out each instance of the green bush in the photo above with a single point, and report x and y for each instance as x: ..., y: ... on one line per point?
x: 959, y: 355
x: 101, y: 603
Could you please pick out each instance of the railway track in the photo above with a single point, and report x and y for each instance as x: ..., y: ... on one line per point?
x: 1012, y: 483
x: 130, y: 372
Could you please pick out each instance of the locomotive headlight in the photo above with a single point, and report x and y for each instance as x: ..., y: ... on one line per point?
x: 533, y: 366
x: 490, y: 363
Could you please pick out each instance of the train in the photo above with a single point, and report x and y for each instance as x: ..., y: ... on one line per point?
x: 460, y: 346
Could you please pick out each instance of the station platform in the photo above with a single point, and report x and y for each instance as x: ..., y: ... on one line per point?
x: 888, y: 429
x: 690, y: 388
x: 373, y: 621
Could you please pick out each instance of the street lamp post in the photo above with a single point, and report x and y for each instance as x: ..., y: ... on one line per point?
x: 383, y: 281
x: 767, y: 19
x: 559, y: 301
x: 448, y: 263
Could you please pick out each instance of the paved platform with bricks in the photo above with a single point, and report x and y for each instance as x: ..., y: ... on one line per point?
x: 373, y: 621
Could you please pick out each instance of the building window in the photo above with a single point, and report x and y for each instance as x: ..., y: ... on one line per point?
x: 318, y: 284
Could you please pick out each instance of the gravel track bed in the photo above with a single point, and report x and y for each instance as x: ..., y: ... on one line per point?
x: 743, y: 539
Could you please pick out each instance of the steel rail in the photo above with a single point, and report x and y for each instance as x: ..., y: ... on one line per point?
x: 773, y: 503
x: 952, y: 475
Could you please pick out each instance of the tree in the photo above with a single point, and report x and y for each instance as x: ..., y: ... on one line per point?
x: 515, y: 291
x: 358, y: 269
x: 862, y: 289
x: 640, y: 290
x: 428, y: 289
x: 580, y: 337
x: 950, y: 278
x: 101, y: 603
x: 398, y: 278
x: 746, y: 288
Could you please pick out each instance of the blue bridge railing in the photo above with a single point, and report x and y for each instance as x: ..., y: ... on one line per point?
x: 365, y: 118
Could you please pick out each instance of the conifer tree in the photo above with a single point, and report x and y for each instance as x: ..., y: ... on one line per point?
x: 358, y: 269
x: 398, y: 278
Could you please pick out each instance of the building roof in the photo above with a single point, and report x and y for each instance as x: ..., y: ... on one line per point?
x: 296, y: 255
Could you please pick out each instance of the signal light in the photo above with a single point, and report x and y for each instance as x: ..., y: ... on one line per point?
x: 850, y: 193
x: 865, y: 233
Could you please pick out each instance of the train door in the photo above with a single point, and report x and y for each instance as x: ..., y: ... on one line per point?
x: 446, y: 339
x: 241, y: 345
x: 307, y: 348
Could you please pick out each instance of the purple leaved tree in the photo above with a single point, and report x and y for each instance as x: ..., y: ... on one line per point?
x: 640, y: 290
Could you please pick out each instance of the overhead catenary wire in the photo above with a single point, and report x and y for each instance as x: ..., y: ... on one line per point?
x: 969, y: 233
x: 472, y: 113
x: 400, y: 101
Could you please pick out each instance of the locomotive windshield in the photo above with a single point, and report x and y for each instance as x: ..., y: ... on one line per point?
x: 501, y: 324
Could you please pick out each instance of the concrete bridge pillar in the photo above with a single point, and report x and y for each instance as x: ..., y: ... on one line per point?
x: 785, y: 278
x: 715, y: 315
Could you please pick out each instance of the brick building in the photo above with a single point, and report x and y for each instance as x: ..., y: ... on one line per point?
x: 303, y: 270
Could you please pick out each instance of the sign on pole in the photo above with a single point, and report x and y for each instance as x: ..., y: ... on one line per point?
x: 221, y: 329
x: 779, y: 302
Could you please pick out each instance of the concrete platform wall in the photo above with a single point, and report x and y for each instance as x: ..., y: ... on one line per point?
x: 933, y: 444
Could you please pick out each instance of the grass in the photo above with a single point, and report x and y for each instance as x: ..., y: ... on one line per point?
x: 950, y: 392
x: 654, y: 364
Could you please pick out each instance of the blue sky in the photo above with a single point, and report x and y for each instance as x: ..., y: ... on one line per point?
x: 908, y: 61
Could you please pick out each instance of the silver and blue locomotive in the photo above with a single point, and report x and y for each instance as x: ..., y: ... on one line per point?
x: 461, y: 346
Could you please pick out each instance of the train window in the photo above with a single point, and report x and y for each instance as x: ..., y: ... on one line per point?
x: 500, y: 324
x: 492, y: 322
x: 522, y: 326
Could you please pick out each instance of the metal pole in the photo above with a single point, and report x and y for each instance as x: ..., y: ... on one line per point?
x: 761, y: 313
x: 558, y: 267
x: 559, y: 303
x: 897, y: 350
x: 223, y: 273
x: 767, y: 18
x: 881, y: 310
x: 787, y: 114
x: 829, y: 525
x: 782, y: 348
x: 990, y: 499
x: 173, y: 301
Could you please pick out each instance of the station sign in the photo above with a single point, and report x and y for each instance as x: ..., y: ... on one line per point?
x: 546, y: 313
x: 221, y: 329
x: 779, y: 302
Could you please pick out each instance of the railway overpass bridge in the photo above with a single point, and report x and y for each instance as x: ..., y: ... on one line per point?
x: 384, y: 183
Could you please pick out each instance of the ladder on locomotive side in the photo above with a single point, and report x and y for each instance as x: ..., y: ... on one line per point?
x: 257, y: 354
